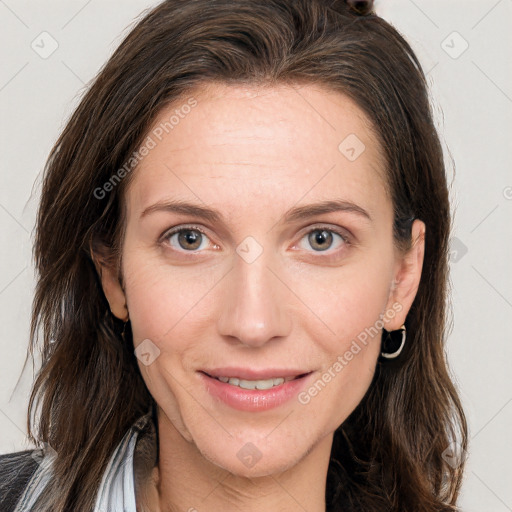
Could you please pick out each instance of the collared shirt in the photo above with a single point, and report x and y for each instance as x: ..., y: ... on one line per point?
x: 116, y: 492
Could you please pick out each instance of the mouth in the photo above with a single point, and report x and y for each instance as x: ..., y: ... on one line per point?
x: 256, y: 384
x: 254, y: 390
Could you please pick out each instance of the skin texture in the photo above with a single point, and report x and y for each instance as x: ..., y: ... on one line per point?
x: 253, y: 153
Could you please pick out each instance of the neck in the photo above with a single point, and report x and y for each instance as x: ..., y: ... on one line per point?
x: 185, y: 481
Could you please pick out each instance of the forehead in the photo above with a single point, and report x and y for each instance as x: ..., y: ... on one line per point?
x: 234, y: 144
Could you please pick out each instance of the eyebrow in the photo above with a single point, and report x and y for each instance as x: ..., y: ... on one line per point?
x: 294, y: 214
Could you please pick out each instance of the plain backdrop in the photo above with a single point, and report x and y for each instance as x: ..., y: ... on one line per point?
x: 51, y: 50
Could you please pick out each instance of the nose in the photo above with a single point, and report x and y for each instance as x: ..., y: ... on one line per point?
x: 254, y: 310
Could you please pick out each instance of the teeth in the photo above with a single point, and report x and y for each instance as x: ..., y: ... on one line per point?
x: 255, y: 384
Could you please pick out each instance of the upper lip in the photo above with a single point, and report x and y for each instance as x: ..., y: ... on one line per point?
x: 253, y: 374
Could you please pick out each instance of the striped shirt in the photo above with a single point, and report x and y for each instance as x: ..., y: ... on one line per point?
x: 125, y: 470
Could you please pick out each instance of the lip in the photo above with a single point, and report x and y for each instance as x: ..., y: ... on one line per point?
x: 254, y: 400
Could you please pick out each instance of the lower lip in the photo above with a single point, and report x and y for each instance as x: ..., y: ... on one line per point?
x: 254, y: 399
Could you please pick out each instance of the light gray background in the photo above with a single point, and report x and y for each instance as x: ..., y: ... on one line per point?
x: 472, y: 96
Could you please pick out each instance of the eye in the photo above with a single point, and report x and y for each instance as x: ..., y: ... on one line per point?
x: 193, y: 239
x: 322, y: 238
x: 188, y: 239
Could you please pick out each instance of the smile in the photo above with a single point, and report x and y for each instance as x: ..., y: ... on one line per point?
x: 255, y: 384
x: 247, y: 392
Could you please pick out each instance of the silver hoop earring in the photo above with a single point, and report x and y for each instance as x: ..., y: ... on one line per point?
x: 393, y: 342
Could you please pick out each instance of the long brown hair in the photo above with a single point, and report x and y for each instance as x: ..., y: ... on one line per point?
x: 388, y: 455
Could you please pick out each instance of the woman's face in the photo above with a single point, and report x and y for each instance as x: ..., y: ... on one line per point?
x: 260, y: 285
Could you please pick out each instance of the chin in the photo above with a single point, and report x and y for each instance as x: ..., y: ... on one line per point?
x: 268, y: 465
x: 253, y: 459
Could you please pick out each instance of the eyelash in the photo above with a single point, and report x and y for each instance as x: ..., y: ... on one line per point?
x: 344, y: 237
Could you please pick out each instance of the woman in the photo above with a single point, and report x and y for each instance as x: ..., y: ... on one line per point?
x: 242, y: 257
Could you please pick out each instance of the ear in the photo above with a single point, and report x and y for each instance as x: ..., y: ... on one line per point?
x: 111, y: 285
x: 407, y: 276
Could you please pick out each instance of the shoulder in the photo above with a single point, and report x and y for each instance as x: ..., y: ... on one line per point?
x: 16, y: 469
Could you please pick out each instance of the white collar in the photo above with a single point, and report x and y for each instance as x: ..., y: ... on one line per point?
x: 116, y: 492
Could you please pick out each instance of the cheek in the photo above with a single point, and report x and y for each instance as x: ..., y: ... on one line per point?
x: 349, y: 302
x: 350, y: 348
x: 162, y: 299
x: 345, y: 302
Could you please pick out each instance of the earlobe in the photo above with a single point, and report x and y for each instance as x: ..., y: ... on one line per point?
x: 111, y: 288
x: 408, y: 275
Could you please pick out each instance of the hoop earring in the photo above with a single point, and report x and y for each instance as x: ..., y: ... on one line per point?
x: 393, y: 342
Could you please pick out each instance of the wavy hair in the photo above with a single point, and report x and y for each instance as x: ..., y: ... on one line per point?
x: 388, y: 454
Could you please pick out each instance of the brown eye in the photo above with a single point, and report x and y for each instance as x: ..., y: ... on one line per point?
x: 189, y: 239
x: 186, y: 239
x: 320, y: 239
